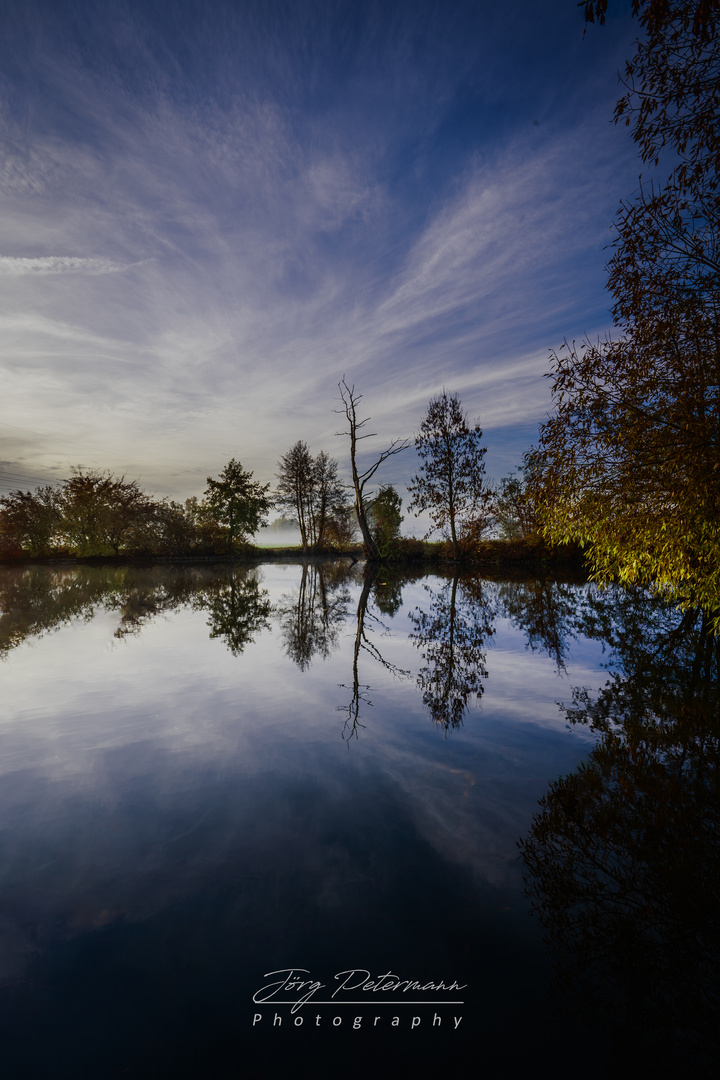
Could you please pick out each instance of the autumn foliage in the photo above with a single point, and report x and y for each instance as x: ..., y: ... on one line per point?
x: 629, y: 463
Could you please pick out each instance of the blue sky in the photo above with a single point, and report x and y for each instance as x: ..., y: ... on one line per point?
x: 211, y: 212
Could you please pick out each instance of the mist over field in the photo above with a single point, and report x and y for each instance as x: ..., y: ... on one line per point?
x: 278, y: 536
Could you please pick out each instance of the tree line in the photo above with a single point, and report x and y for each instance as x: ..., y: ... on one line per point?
x: 96, y: 513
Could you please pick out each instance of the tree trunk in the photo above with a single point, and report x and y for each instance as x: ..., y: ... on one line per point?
x: 350, y: 399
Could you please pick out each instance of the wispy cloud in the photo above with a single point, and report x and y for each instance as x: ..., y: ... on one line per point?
x: 241, y: 239
x: 14, y: 266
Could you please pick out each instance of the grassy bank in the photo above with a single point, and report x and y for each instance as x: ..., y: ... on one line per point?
x: 489, y: 553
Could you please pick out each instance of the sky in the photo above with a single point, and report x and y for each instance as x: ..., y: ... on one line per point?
x: 211, y: 212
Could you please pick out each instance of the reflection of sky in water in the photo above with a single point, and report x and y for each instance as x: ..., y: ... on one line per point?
x: 140, y: 774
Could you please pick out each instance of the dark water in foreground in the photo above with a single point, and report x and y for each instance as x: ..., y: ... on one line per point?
x: 209, y: 776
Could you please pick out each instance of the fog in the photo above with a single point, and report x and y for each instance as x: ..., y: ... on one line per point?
x: 278, y: 535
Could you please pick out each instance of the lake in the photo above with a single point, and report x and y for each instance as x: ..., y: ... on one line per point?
x: 286, y: 820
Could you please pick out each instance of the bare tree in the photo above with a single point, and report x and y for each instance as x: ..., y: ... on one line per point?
x: 351, y: 400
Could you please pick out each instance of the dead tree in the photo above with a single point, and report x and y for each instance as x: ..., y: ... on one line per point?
x: 351, y: 400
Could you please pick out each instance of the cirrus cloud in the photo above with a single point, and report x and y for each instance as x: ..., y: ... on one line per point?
x: 14, y: 266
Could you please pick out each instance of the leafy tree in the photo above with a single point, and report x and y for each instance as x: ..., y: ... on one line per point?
x: 385, y: 518
x: 515, y: 512
x: 204, y: 532
x: 629, y: 463
x: 180, y: 529
x: 450, y: 484
x: 309, y: 488
x: 330, y: 495
x: 236, y: 503
x: 341, y: 528
x: 350, y: 400
x: 295, y: 488
x: 102, y: 514
x: 653, y: 14
x: 29, y: 521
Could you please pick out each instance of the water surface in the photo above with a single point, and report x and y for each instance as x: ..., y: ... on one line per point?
x: 209, y: 775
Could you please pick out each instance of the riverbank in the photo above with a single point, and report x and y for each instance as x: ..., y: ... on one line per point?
x: 495, y: 554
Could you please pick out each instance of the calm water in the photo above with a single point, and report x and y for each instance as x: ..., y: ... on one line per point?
x: 211, y: 776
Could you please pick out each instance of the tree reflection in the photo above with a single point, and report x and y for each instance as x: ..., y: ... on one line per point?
x: 144, y: 597
x: 623, y: 860
x: 452, y: 635
x: 545, y: 610
x: 387, y: 589
x: 36, y: 600
x: 364, y: 643
x: 239, y: 609
x: 312, y: 615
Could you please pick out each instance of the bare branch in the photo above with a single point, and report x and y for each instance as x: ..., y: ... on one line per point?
x: 350, y: 400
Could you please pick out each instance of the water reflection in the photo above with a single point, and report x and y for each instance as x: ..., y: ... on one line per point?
x: 623, y: 860
x: 388, y: 585
x: 239, y: 609
x: 311, y: 616
x: 545, y: 611
x: 36, y: 600
x: 452, y: 634
x: 180, y: 805
x: 368, y: 628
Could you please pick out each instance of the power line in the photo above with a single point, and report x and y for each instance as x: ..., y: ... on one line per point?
x: 13, y: 482
x: 28, y: 476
